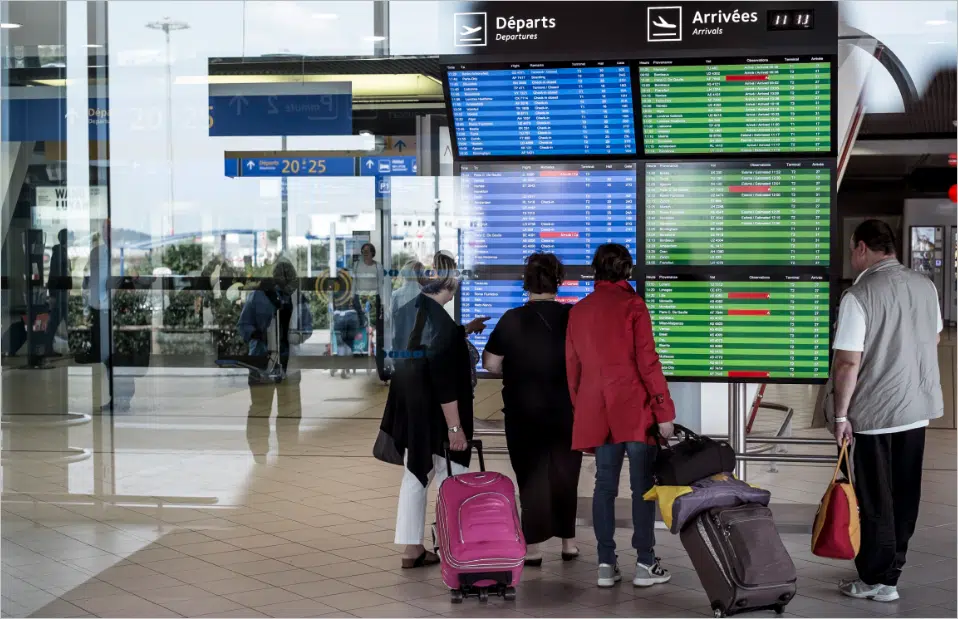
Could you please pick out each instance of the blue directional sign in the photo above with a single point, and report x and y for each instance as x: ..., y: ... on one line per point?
x: 323, y: 108
x: 290, y: 166
x: 385, y: 167
x: 42, y: 118
x: 388, y: 166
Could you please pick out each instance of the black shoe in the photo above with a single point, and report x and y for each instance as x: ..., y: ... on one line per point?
x: 570, y: 556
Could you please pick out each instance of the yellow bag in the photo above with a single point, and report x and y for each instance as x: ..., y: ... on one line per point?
x: 837, y: 530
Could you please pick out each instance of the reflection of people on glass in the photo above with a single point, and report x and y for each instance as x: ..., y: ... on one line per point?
x: 59, y: 285
x: 274, y: 321
x: 349, y: 320
x: 368, y: 281
x: 399, y: 317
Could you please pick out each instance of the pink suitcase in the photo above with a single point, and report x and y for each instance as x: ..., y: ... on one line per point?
x: 481, y: 547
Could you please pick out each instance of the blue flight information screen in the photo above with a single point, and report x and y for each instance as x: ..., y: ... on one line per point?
x: 568, y: 209
x: 533, y: 109
x: 494, y: 298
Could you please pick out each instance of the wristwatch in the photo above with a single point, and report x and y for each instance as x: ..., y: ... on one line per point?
x: 455, y: 429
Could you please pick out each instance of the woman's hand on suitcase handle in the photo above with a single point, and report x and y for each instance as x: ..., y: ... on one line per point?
x: 457, y: 441
x: 666, y: 429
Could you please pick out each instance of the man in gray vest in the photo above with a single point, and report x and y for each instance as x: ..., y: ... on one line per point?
x: 886, y: 389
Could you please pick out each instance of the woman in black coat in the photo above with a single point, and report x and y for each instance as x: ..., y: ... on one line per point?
x: 430, y: 403
x: 528, y: 348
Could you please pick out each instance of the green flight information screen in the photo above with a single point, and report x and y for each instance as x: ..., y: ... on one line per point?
x: 738, y: 213
x: 754, y: 328
x: 758, y: 105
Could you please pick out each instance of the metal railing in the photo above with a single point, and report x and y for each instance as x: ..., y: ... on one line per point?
x: 760, y: 454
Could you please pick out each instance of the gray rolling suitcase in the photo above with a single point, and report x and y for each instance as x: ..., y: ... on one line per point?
x: 740, y: 559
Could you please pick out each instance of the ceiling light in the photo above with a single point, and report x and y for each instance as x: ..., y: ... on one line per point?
x: 375, y: 38
x: 326, y: 16
x: 9, y: 25
x: 93, y: 46
x: 937, y: 22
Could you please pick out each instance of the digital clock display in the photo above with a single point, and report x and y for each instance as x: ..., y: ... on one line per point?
x: 796, y: 19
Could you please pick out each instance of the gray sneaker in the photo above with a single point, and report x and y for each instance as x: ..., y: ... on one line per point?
x: 609, y: 575
x: 860, y: 591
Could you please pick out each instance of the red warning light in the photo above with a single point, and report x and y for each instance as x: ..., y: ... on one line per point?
x: 953, y: 193
x: 953, y: 159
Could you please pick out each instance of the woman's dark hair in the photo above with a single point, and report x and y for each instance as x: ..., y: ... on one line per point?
x: 442, y: 276
x: 543, y: 274
x: 372, y: 249
x: 876, y: 235
x: 612, y: 263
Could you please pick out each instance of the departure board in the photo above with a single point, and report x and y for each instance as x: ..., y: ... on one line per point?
x: 738, y: 213
x: 578, y: 108
x: 758, y: 328
x: 494, y: 298
x: 568, y: 209
x: 753, y: 106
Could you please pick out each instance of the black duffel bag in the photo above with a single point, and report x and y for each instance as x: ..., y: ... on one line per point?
x: 693, y: 458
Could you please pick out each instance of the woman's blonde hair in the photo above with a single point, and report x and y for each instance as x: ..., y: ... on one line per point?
x: 443, y: 274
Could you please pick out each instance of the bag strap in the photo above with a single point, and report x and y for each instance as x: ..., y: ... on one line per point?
x: 843, y: 455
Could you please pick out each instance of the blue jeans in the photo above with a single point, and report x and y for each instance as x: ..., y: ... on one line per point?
x: 608, y: 466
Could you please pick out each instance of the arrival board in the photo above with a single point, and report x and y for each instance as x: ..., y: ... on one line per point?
x: 495, y: 297
x: 761, y: 328
x: 753, y: 106
x: 568, y: 209
x: 738, y: 213
x: 579, y: 108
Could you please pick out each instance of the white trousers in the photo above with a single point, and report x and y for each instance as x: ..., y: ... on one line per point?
x: 411, y: 516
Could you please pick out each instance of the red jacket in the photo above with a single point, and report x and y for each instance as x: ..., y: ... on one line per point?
x: 615, y: 378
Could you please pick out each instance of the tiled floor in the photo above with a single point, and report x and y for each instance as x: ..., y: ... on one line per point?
x: 171, y: 515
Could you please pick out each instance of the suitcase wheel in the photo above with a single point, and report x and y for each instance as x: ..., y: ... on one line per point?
x: 779, y: 609
x: 718, y: 610
x: 484, y: 595
x: 456, y: 596
x: 509, y: 594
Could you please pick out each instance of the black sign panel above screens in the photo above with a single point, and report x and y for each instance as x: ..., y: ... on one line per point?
x: 512, y: 30
x: 542, y: 109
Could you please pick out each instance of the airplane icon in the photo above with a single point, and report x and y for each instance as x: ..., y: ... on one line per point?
x: 664, y: 23
x: 661, y: 23
x: 469, y: 29
x: 467, y: 32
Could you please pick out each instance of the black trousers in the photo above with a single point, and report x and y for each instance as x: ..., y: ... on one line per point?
x: 887, y: 477
x: 547, y: 471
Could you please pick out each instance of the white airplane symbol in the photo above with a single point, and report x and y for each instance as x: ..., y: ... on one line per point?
x: 466, y: 30
x: 661, y: 23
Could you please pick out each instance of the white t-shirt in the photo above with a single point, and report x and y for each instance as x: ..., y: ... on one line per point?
x: 850, y: 336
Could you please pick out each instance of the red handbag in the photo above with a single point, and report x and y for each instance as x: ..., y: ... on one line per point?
x: 837, y: 530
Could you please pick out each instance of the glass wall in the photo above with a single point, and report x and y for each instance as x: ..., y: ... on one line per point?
x: 168, y: 169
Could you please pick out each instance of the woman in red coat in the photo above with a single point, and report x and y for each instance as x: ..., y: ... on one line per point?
x: 618, y: 394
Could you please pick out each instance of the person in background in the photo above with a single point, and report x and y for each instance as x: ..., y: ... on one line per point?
x: 407, y: 293
x: 419, y: 423
x: 276, y: 298
x: 349, y: 320
x: 58, y: 285
x: 886, y: 389
x: 619, y: 394
x: 528, y: 348
x: 368, y: 281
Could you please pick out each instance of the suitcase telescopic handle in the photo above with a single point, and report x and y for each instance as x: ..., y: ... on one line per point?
x: 474, y: 444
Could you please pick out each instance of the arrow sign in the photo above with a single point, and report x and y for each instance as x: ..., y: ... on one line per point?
x: 70, y: 115
x: 240, y: 101
x: 369, y: 164
x: 400, y: 145
x: 250, y: 165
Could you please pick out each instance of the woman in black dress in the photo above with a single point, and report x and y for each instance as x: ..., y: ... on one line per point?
x: 528, y: 348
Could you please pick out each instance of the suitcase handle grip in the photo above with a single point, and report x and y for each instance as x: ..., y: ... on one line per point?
x: 474, y: 444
